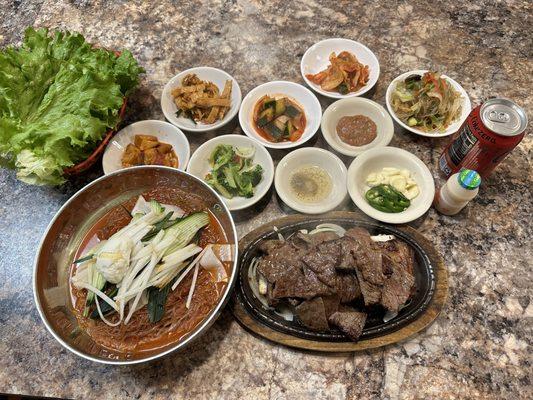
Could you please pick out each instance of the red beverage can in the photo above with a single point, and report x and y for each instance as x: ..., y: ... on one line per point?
x: 489, y: 133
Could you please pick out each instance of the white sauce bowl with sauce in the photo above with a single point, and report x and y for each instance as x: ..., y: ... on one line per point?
x: 311, y: 180
x: 351, y: 107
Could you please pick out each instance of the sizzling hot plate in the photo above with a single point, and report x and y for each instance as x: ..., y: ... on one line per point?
x: 425, y: 270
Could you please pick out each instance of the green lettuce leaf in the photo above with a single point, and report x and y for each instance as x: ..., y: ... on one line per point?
x: 58, y: 97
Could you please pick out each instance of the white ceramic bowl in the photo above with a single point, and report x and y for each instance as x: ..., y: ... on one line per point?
x: 165, y: 132
x: 199, y: 167
x: 315, y: 157
x: 465, y: 110
x: 215, y: 75
x: 303, y: 96
x: 374, y: 160
x: 316, y: 59
x: 356, y: 106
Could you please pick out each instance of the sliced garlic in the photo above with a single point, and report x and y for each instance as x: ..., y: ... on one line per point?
x: 398, y: 182
x: 412, y: 192
x: 405, y: 173
x: 400, y: 179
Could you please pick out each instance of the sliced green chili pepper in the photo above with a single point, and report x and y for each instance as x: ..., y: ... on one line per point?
x: 387, y: 199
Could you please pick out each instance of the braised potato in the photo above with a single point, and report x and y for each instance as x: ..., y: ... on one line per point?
x: 132, y: 156
x: 148, y: 150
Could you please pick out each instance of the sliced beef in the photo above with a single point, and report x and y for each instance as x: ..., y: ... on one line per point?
x: 347, y: 287
x: 397, y: 287
x: 368, y: 262
x: 301, y: 283
x: 361, y: 235
x: 369, y: 270
x: 331, y: 304
x: 312, y: 314
x: 322, y: 263
x: 283, y: 268
x: 280, y: 259
x: 270, y: 246
x: 348, y: 249
x: 398, y: 260
x: 304, y: 240
x: 400, y: 252
x: 351, y: 323
x: 317, y: 286
x: 371, y: 292
x: 320, y: 275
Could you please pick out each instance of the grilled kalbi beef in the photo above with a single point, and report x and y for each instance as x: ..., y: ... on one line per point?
x: 303, y: 240
x: 399, y: 252
x: 398, y: 266
x: 316, y: 312
x: 312, y: 314
x: 351, y: 323
x: 284, y: 270
x: 331, y: 304
x: 318, y: 273
x: 368, y: 265
x: 322, y: 263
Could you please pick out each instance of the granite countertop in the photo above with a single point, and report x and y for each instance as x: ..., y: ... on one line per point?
x: 478, y: 348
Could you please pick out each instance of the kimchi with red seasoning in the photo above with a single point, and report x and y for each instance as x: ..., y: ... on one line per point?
x: 278, y: 119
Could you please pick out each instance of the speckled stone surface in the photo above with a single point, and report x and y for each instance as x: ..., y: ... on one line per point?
x: 478, y: 348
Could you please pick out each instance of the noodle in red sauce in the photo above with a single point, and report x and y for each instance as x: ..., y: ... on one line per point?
x: 140, y: 334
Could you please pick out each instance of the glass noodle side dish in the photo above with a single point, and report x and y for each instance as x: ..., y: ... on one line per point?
x: 149, y: 272
x: 427, y: 102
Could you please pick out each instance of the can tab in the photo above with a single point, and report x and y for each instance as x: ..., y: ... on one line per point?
x: 501, y: 117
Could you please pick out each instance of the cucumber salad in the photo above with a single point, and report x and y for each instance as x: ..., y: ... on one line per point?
x: 233, y: 172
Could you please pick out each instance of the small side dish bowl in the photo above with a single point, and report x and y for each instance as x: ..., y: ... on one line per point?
x: 356, y: 106
x: 215, y: 75
x: 297, y: 93
x: 199, y: 167
x: 452, y: 128
x: 316, y: 59
x: 165, y: 132
x: 311, y: 156
x: 374, y: 160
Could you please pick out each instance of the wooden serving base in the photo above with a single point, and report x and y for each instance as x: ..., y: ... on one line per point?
x: 421, y: 322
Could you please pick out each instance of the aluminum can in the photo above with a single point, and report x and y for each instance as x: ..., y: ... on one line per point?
x: 489, y: 133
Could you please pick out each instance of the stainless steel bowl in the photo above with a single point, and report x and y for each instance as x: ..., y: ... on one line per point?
x: 65, y: 233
